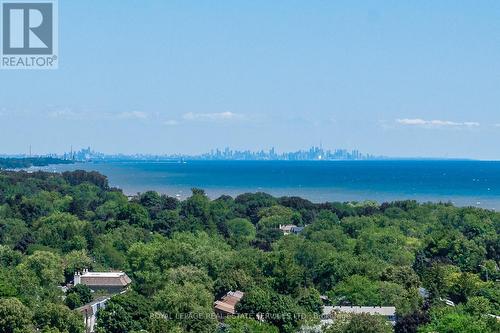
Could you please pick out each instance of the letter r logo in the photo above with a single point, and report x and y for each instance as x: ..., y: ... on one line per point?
x: 27, y: 28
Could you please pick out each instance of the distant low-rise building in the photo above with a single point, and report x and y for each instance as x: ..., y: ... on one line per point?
x: 111, y: 282
x: 389, y: 312
x: 291, y: 229
x: 89, y: 312
x: 494, y: 316
x: 226, y: 306
x: 447, y: 301
x: 424, y: 293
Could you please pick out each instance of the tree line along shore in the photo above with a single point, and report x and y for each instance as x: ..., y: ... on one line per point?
x: 28, y: 162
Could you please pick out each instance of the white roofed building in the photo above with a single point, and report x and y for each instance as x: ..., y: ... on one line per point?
x: 288, y: 229
x: 89, y: 312
x: 112, y: 282
x: 389, y: 312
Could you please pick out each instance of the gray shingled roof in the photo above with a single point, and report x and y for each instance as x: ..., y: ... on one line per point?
x: 108, y: 279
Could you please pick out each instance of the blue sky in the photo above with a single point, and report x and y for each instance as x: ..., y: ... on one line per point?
x: 397, y: 78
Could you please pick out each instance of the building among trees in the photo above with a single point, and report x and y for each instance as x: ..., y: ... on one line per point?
x: 388, y: 312
x: 112, y: 282
x: 89, y: 312
x: 226, y: 306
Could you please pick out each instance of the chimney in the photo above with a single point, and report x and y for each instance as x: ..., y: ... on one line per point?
x: 76, y: 279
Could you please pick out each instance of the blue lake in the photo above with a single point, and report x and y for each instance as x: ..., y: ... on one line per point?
x: 465, y: 183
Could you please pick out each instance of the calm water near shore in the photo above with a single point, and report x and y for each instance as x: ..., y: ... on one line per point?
x: 465, y: 183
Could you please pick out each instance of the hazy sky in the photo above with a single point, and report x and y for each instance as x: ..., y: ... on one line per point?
x: 398, y: 78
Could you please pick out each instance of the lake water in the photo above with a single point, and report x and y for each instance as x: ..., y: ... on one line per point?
x: 465, y: 183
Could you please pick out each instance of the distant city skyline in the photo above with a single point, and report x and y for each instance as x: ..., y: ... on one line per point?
x: 313, y: 153
x: 399, y: 79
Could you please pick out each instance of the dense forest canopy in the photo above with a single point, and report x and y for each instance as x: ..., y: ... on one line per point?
x: 182, y: 255
x: 22, y: 163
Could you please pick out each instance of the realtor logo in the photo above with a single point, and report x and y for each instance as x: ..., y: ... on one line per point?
x: 29, y: 34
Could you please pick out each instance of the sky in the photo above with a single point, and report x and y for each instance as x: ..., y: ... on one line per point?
x: 393, y: 78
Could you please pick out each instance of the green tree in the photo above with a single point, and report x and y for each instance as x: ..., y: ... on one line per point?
x: 152, y: 201
x: 83, y: 296
x: 233, y: 279
x: 62, y: 231
x: 9, y: 257
x: 47, y: 266
x: 278, y: 310
x: 403, y: 275
x: 159, y: 323
x: 356, y: 290
x: 246, y: 325
x: 478, y: 306
x: 73, y: 301
x: 167, y: 222
x: 196, y: 211
x: 465, y: 285
x: 190, y: 274
x: 76, y: 261
x: 277, y: 210
x: 136, y: 305
x: 456, y: 322
x: 410, y: 323
x: 55, y: 316
x: 12, y: 231
x: 266, y: 237
x: 109, y: 210
x: 135, y: 214
x: 358, y: 323
x: 309, y: 299
x: 189, y: 304
x: 114, y: 319
x: 249, y: 204
x: 241, y: 232
x: 288, y: 275
x: 85, y: 199
x: 14, y: 316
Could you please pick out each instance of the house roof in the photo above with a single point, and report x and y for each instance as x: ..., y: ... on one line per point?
x: 228, y: 303
x: 109, y: 279
x: 88, y: 307
x: 287, y: 227
x: 372, y: 310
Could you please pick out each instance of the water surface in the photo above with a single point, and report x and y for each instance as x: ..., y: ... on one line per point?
x: 465, y: 183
